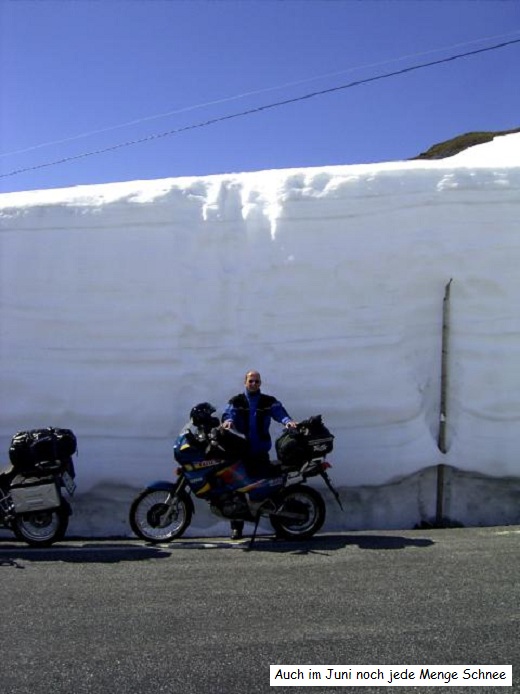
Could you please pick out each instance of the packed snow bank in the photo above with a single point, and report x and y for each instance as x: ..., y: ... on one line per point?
x: 123, y: 305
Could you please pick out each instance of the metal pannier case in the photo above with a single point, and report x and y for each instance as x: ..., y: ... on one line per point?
x: 34, y: 496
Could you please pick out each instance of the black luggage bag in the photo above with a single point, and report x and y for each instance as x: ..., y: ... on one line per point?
x: 310, y: 440
x: 30, y: 448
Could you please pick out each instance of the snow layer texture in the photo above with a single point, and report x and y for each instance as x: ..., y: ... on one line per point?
x: 123, y: 305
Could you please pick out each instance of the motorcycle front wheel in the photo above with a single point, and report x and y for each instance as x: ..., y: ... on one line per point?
x: 156, y: 517
x: 301, y: 513
x: 42, y: 528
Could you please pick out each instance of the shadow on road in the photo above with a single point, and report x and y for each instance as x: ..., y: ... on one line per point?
x: 317, y: 544
x: 330, y: 543
x: 106, y: 552
x: 91, y: 553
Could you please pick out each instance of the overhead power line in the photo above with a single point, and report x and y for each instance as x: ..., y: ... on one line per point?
x: 255, y: 92
x: 260, y: 109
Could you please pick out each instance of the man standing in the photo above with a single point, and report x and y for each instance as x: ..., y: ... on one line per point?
x: 251, y: 413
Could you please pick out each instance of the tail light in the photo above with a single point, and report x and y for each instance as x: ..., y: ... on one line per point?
x: 325, y: 465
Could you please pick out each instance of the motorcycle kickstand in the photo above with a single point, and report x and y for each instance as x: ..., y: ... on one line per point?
x: 253, y: 536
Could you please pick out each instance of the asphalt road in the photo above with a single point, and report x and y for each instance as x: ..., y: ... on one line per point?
x: 210, y: 616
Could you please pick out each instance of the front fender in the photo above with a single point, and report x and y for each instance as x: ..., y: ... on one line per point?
x: 162, y: 486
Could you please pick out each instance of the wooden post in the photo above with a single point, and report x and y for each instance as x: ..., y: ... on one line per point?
x: 441, y: 442
x: 443, y: 414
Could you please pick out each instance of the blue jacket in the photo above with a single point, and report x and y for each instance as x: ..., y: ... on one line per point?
x: 251, y: 414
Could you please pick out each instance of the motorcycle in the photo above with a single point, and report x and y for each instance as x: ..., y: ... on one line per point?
x: 213, y: 466
x: 32, y: 504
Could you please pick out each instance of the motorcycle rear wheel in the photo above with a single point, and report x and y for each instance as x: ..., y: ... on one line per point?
x: 148, y: 518
x: 302, y: 501
x: 42, y: 528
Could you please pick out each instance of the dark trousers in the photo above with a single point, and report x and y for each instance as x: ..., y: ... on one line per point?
x: 257, y: 465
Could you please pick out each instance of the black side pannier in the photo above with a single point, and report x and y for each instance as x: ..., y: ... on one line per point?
x: 291, y: 448
x: 310, y: 440
x: 41, y: 445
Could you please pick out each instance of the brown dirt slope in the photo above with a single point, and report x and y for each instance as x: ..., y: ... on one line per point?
x: 461, y: 142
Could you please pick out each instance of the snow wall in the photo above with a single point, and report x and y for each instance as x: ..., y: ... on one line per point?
x: 122, y: 305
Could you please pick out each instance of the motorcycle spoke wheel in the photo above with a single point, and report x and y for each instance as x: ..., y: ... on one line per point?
x: 41, y: 528
x: 152, y: 517
x: 308, y: 508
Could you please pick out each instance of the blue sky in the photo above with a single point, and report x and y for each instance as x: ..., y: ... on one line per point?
x: 78, y: 76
